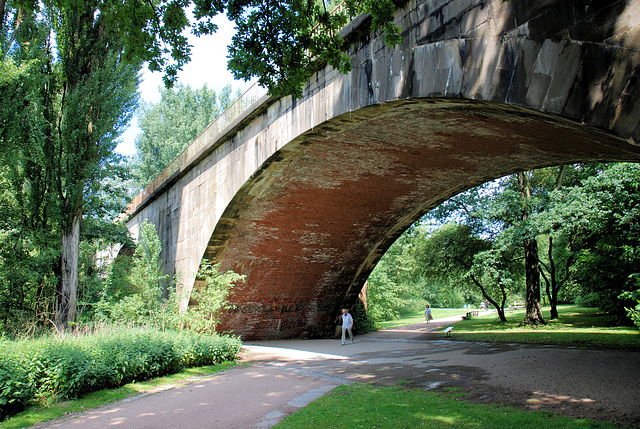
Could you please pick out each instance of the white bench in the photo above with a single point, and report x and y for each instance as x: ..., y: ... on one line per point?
x: 448, y: 331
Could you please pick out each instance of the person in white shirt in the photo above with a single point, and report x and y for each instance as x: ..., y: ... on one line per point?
x: 427, y: 314
x: 347, y: 325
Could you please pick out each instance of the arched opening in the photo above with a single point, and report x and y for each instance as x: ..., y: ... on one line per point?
x: 471, y: 249
x: 310, y: 225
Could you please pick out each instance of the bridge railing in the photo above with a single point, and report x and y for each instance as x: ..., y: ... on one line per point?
x: 206, y: 138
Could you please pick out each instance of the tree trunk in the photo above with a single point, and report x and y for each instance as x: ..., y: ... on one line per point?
x: 68, y: 284
x: 532, y: 284
x: 555, y: 286
x: 553, y: 296
x: 554, y: 306
x: 499, y: 308
x: 531, y: 264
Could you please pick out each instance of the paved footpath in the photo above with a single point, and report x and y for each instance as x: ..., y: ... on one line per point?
x: 286, y: 375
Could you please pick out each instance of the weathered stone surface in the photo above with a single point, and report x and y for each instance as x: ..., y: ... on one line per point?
x: 305, y: 196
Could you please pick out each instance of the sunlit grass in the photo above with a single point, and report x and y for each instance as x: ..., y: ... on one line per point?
x: 418, y: 317
x: 576, y: 326
x: 40, y: 413
x: 367, y: 406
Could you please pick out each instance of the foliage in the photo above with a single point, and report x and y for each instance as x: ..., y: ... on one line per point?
x: 210, y: 298
x: 170, y: 125
x: 150, y: 301
x: 362, y: 322
x: 368, y: 405
x: 391, y: 291
x: 598, y: 219
x: 403, y: 281
x: 633, y: 312
x: 454, y: 254
x: 282, y: 42
x: 44, y: 412
x: 62, y: 367
x: 145, y: 298
x: 146, y: 272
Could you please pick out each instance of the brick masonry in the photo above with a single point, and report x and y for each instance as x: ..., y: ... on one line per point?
x: 305, y: 196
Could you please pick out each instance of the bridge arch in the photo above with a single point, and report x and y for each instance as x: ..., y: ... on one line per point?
x: 304, y: 196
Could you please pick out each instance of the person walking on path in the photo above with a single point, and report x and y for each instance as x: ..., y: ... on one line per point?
x: 427, y: 314
x: 347, y: 325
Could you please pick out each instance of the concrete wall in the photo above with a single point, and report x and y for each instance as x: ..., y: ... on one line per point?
x: 304, y: 196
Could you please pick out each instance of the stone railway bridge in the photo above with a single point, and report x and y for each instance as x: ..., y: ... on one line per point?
x: 305, y: 196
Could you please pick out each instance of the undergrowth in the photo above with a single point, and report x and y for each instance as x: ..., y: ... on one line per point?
x: 60, y: 367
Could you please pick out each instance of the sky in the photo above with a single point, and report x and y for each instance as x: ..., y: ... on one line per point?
x: 208, y: 65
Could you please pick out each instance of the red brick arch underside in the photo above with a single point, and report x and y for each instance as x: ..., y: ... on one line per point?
x: 310, y: 225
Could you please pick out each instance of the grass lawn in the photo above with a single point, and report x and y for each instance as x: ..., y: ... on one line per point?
x: 576, y: 326
x: 367, y: 406
x: 418, y: 317
x: 44, y: 412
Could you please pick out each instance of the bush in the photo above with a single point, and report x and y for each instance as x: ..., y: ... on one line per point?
x: 63, y: 367
x: 361, y: 321
x: 16, y: 383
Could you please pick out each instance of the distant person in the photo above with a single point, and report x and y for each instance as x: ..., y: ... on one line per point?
x: 427, y: 314
x: 347, y: 325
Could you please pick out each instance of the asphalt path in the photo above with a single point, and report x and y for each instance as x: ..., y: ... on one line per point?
x: 286, y: 375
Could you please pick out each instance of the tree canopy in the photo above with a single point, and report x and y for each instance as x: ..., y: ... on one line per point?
x: 170, y: 125
x: 584, y: 217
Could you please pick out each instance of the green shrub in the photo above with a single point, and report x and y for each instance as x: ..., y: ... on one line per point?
x: 16, y: 384
x: 62, y: 367
x: 361, y: 321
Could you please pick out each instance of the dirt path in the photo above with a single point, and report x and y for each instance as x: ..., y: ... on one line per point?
x: 286, y: 375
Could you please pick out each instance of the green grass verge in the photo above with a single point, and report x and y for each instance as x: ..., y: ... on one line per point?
x: 576, y: 326
x: 40, y: 413
x: 367, y: 406
x: 418, y: 317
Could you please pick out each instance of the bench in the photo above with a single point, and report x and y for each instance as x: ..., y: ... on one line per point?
x: 448, y: 331
x: 469, y: 314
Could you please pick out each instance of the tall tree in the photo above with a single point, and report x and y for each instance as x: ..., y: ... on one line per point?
x: 170, y: 125
x: 511, y: 208
x: 533, y: 308
x: 455, y: 253
x: 598, y: 218
x: 82, y: 95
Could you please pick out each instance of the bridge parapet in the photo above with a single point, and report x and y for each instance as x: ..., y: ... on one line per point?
x: 207, y: 141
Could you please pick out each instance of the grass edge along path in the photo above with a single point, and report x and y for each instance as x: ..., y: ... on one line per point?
x: 41, y: 413
x: 369, y: 406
